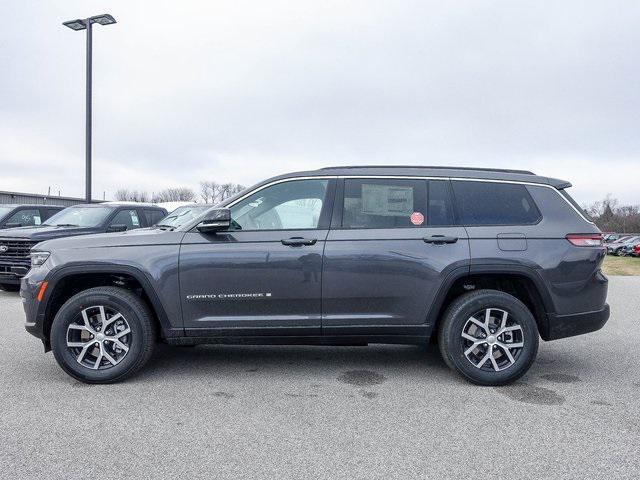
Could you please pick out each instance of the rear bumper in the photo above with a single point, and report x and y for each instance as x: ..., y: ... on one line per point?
x: 562, y: 326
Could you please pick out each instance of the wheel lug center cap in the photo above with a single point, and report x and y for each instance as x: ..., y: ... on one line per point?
x: 491, y: 339
x: 99, y: 337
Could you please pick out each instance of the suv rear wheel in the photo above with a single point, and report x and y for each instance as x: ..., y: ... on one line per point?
x: 103, y: 335
x: 489, y: 337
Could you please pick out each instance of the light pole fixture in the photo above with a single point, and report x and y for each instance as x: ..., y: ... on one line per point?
x: 86, y: 24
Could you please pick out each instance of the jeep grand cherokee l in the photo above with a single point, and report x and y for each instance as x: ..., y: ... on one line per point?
x: 16, y: 243
x: 487, y: 261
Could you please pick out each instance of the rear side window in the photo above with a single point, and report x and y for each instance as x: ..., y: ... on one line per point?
x: 384, y: 203
x: 128, y: 218
x: 47, y: 213
x: 488, y: 203
x: 153, y: 216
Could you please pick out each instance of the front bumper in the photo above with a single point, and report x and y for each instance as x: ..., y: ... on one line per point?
x: 562, y: 326
x: 33, y: 309
x: 13, y: 272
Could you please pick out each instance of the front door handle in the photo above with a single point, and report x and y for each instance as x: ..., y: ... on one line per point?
x: 298, y: 241
x: 440, y: 239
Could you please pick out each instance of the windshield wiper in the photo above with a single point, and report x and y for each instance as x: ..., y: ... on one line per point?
x: 66, y: 225
x: 161, y: 225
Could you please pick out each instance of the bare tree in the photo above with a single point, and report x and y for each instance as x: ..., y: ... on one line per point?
x: 180, y: 194
x: 125, y: 195
x: 610, y: 216
x: 214, y: 192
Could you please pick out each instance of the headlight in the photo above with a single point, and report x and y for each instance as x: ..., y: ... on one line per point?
x: 38, y: 258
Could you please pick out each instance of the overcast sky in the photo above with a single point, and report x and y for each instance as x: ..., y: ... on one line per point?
x: 237, y: 91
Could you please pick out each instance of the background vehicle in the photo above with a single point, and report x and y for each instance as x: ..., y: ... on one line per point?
x: 12, y: 216
x: 628, y: 248
x: 619, y: 246
x: 16, y: 243
x: 617, y: 241
x: 610, y: 237
x: 486, y: 260
x: 636, y: 250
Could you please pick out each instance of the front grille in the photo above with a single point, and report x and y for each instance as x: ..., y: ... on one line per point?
x: 15, y: 250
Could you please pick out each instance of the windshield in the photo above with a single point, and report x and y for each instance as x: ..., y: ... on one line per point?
x: 80, y: 217
x: 182, y: 215
x: 4, y: 211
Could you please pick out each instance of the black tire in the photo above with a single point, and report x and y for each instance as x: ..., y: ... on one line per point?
x: 138, y: 316
x: 9, y: 287
x: 453, y: 345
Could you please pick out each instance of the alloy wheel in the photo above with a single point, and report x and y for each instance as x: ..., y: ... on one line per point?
x: 492, y: 339
x: 99, y: 337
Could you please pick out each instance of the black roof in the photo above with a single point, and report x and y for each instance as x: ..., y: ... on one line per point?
x: 435, y: 171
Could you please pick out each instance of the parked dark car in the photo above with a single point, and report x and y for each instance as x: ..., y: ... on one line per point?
x: 620, y: 246
x: 12, y: 216
x: 486, y: 261
x: 16, y: 243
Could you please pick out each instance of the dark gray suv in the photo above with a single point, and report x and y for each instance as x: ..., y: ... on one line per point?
x: 486, y: 261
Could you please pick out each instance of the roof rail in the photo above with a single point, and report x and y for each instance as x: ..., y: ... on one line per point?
x: 434, y: 167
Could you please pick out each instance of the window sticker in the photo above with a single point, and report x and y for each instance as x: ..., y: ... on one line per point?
x: 417, y: 218
x: 387, y: 200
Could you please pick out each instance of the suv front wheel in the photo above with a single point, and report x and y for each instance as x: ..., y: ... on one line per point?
x: 103, y: 335
x: 489, y: 337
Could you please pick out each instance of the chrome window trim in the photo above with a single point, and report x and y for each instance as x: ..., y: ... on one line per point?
x: 420, y: 177
x: 276, y: 182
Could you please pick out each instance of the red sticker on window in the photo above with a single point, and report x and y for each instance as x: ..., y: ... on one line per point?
x: 417, y: 218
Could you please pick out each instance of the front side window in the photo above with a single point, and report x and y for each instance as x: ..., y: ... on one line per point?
x: 25, y: 218
x: 128, y: 218
x: 492, y: 203
x: 295, y: 204
x: 384, y: 203
x: 80, y: 217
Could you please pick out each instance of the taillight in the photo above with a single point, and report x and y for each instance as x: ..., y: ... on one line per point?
x: 585, y: 239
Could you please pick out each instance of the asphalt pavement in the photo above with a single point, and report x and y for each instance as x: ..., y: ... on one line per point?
x: 326, y: 412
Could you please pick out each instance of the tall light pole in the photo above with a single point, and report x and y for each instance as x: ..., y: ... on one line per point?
x: 86, y: 24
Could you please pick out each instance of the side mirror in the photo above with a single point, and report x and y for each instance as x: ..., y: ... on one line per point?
x: 217, y: 220
x: 117, y: 228
x: 12, y: 225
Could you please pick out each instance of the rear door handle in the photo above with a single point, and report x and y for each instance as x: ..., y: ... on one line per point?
x: 440, y: 239
x: 298, y: 241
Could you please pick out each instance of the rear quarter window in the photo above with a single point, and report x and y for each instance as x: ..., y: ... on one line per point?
x: 492, y: 203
